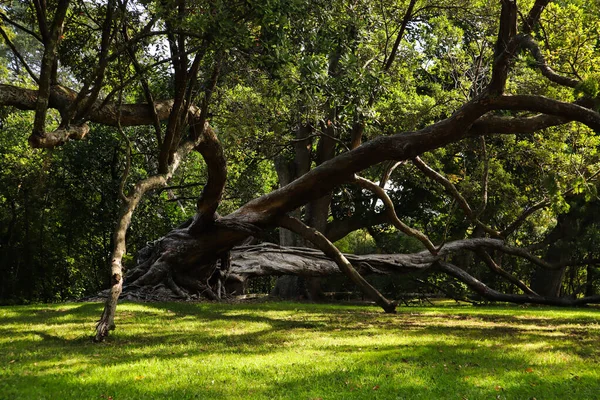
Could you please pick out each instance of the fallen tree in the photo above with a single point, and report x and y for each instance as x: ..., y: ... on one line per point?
x: 191, y: 258
x: 268, y: 259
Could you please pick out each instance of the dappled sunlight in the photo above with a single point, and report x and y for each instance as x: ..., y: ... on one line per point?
x: 179, y: 350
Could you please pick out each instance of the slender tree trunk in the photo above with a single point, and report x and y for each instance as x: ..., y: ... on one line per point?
x: 130, y: 203
x: 107, y: 320
x: 591, y: 275
x: 294, y: 287
x: 288, y: 286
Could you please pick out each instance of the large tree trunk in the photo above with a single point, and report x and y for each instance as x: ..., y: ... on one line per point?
x: 158, y: 276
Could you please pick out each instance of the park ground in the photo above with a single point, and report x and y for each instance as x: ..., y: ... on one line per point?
x: 299, y: 351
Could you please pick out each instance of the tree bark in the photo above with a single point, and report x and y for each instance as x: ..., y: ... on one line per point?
x: 130, y: 203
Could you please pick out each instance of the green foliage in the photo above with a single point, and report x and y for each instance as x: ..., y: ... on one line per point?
x: 357, y: 242
x: 589, y: 87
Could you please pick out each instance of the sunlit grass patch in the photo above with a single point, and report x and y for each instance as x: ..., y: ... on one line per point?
x: 299, y: 351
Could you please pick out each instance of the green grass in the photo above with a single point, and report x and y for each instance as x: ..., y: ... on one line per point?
x: 299, y: 351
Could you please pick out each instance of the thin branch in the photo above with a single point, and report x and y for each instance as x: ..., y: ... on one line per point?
x: 146, y: 89
x: 40, y: 11
x: 19, y: 56
x: 195, y: 184
x: 393, y: 217
x: 21, y: 27
x: 491, y: 294
x: 99, y: 72
x: 123, y: 182
x: 387, y: 172
x: 320, y: 134
x: 405, y: 20
x: 484, y: 178
x: 450, y: 188
x: 524, y: 215
x: 494, y: 267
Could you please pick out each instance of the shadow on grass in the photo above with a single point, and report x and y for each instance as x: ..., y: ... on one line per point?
x: 51, y: 363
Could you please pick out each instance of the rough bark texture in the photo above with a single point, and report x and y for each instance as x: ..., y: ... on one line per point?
x: 273, y: 260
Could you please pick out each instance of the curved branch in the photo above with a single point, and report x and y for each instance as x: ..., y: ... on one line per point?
x: 524, y: 215
x: 212, y: 152
x: 548, y: 72
x: 493, y: 124
x: 494, y: 267
x: 545, y: 105
x: 338, y: 229
x: 449, y: 186
x: 387, y: 172
x: 18, y: 55
x: 391, y: 212
x: 21, y: 27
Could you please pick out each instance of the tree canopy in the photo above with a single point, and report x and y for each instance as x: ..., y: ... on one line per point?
x: 462, y: 134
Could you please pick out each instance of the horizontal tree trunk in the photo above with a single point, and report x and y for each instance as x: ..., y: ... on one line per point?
x: 158, y: 277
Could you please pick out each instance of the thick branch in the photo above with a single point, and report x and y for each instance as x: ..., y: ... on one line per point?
x: 505, y: 47
x: 51, y: 38
x: 269, y: 259
x: 212, y: 152
x: 541, y: 104
x: 534, y: 15
x: 493, y: 124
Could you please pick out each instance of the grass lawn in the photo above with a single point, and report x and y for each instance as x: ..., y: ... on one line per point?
x: 299, y: 351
